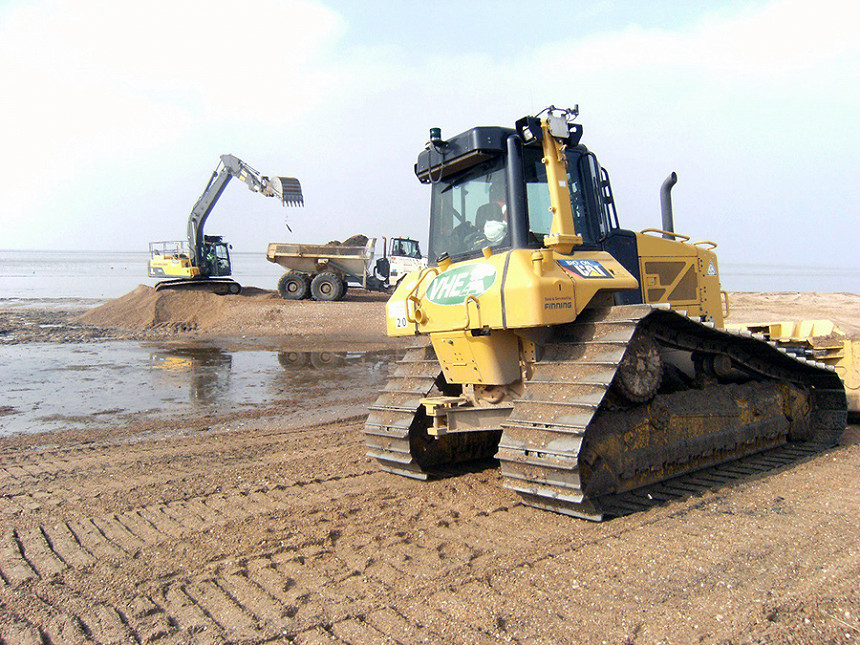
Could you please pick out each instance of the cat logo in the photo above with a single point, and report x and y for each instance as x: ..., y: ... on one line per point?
x: 712, y: 270
x: 585, y: 268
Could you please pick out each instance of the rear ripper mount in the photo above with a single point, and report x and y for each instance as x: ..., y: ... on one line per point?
x: 577, y: 441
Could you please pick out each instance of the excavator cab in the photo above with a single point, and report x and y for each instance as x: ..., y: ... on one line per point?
x: 216, y: 257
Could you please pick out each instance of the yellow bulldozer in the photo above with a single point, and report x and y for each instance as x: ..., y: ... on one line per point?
x: 590, y: 360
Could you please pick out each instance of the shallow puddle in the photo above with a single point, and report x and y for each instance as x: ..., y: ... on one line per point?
x: 46, y: 387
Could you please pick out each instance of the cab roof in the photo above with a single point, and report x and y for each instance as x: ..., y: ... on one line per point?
x: 461, y: 151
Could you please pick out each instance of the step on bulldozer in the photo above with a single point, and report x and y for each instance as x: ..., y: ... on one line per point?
x: 591, y: 361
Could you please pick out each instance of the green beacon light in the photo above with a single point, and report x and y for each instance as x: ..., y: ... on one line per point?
x: 436, y: 136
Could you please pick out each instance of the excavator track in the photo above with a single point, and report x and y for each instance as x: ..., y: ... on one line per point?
x: 573, y: 445
x: 566, y: 427
x: 218, y: 286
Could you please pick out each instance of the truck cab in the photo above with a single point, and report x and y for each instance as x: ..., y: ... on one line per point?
x: 404, y: 256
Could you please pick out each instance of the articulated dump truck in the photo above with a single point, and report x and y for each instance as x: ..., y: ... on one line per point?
x: 590, y: 360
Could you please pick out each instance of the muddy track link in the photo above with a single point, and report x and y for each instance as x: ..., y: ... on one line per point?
x: 544, y: 435
x: 393, y: 413
x: 700, y: 481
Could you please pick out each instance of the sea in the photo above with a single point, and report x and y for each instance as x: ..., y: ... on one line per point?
x: 96, y: 276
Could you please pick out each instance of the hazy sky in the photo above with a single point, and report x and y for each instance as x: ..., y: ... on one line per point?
x: 114, y: 113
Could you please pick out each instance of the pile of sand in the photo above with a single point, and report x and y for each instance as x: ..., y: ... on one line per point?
x: 145, y: 308
x: 355, y: 240
x: 255, y: 313
x: 135, y: 310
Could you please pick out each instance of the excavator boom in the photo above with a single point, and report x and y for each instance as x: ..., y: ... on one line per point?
x: 287, y: 189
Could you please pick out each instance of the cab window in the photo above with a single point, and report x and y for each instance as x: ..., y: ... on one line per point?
x: 537, y: 196
x: 469, y: 211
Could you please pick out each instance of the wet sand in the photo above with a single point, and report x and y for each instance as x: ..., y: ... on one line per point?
x: 267, y: 524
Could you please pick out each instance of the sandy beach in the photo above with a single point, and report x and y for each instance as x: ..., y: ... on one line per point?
x: 268, y: 524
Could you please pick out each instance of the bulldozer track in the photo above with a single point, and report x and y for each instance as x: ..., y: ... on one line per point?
x: 540, y: 445
x: 542, y: 438
x: 391, y: 416
x: 647, y: 497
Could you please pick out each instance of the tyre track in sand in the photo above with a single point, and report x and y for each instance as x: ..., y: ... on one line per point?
x: 261, y: 535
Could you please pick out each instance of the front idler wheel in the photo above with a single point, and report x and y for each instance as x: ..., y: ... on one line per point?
x: 640, y: 372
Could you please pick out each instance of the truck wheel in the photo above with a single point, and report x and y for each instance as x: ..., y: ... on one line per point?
x: 326, y: 286
x: 325, y: 360
x: 345, y: 289
x: 293, y: 286
x: 289, y: 360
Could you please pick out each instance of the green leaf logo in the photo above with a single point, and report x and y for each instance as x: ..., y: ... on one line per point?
x: 454, y: 285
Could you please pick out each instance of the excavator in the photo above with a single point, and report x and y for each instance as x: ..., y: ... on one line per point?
x: 203, y: 261
x: 591, y: 361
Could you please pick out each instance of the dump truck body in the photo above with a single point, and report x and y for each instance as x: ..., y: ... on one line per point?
x: 324, y: 271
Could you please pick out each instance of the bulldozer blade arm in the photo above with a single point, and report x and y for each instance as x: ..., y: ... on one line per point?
x: 291, y: 191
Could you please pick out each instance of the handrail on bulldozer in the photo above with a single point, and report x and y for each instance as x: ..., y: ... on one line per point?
x: 411, y: 297
x: 707, y: 244
x: 471, y: 298
x: 660, y: 231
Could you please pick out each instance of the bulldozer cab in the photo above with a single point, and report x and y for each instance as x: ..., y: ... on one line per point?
x: 491, y: 190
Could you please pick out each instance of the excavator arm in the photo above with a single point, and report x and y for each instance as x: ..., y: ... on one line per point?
x: 287, y: 189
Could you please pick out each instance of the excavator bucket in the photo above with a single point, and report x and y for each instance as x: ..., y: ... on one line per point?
x: 290, y: 190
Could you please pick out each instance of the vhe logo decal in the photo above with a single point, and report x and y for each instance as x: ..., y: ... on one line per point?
x: 585, y: 268
x: 712, y: 270
x: 455, y: 285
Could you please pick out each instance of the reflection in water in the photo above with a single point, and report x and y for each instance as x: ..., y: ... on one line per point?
x: 59, y: 386
x: 316, y: 360
x: 291, y: 360
x: 310, y: 373
x: 205, y: 370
